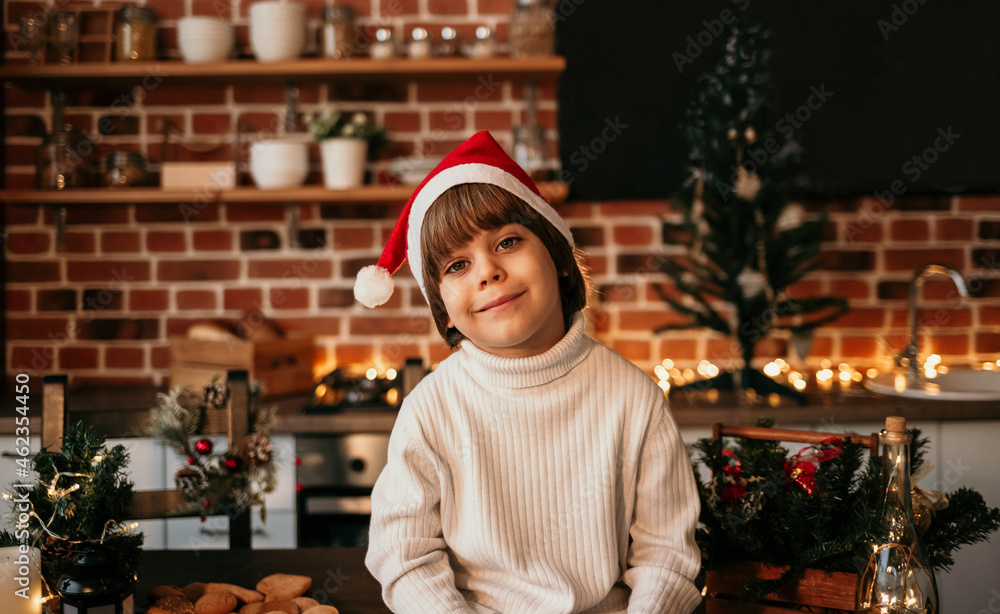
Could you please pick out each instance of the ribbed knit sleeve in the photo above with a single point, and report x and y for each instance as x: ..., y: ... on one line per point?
x: 664, y: 557
x: 407, y: 552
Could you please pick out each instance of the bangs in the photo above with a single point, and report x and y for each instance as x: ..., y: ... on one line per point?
x: 460, y: 214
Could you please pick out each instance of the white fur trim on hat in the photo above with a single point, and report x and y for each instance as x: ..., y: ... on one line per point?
x: 373, y: 286
x: 472, y: 172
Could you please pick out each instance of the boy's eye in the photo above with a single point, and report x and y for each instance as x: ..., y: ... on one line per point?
x: 455, y: 267
x: 509, y: 242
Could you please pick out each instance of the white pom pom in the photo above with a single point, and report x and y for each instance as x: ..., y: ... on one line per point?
x: 373, y: 286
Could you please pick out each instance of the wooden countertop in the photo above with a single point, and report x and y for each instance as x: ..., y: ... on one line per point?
x: 123, y: 411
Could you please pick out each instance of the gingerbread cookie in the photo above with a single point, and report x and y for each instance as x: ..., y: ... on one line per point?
x: 283, y: 586
x: 244, y: 595
x: 280, y: 606
x: 215, y: 603
x: 194, y: 591
x: 175, y: 604
x: 321, y: 609
x: 158, y: 592
x: 305, y: 603
x: 253, y: 608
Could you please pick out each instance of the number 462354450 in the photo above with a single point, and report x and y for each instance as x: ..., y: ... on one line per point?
x: 22, y: 390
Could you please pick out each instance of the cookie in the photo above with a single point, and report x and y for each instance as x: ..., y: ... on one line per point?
x: 305, y: 603
x: 158, y: 592
x: 156, y: 610
x: 283, y: 586
x: 280, y: 606
x: 321, y: 609
x: 194, y: 591
x: 253, y: 608
x: 244, y: 595
x: 215, y: 603
x: 175, y: 604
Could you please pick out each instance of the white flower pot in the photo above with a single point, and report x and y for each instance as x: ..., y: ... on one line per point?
x: 279, y: 163
x: 343, y: 162
x: 20, y: 580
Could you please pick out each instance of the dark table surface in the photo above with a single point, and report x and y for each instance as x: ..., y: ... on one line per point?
x: 339, y: 576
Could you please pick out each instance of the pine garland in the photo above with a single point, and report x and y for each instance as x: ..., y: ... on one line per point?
x: 215, y: 483
x: 753, y: 510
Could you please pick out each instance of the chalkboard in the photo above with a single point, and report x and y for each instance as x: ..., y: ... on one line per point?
x: 910, y: 89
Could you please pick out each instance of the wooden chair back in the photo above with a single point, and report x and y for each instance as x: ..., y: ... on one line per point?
x: 233, y: 420
x: 720, y: 430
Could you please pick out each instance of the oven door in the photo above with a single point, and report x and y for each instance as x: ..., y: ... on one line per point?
x: 335, y: 477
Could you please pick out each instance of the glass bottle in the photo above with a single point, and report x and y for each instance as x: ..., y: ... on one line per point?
x: 339, y: 34
x: 135, y: 34
x: 125, y: 169
x: 898, y: 578
x: 532, y: 29
x: 63, y: 160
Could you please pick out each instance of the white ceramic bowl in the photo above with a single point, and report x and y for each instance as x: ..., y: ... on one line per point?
x: 277, y: 30
x: 204, y: 39
x: 279, y: 163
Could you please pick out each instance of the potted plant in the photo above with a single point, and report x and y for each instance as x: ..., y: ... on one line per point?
x: 345, y: 142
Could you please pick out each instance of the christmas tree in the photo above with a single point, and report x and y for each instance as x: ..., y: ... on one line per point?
x: 747, y: 243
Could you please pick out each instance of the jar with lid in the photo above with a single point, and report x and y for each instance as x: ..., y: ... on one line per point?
x: 529, y: 150
x: 339, y: 33
x: 384, y: 45
x: 421, y: 44
x: 63, y: 160
x: 125, y: 169
x: 532, y: 29
x: 135, y: 34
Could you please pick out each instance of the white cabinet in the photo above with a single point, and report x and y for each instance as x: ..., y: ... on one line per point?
x: 146, y: 470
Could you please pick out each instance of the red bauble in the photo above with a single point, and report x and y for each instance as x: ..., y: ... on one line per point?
x: 191, y: 460
x: 232, y: 463
x: 203, y: 446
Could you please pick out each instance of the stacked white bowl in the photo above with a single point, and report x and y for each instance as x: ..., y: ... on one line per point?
x: 277, y: 30
x: 279, y: 163
x: 204, y: 39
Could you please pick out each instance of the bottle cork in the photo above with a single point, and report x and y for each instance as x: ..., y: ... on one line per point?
x: 895, y: 432
x: 895, y: 424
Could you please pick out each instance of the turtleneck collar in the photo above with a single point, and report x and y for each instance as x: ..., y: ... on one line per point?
x: 531, y: 370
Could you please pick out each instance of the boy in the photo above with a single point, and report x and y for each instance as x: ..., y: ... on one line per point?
x: 535, y: 470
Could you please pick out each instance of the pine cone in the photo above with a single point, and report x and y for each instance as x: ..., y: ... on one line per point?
x: 257, y: 449
x: 190, y: 480
x: 216, y: 395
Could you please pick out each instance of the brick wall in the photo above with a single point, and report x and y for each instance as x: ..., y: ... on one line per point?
x: 131, y: 276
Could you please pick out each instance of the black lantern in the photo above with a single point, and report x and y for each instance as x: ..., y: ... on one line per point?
x: 97, y: 582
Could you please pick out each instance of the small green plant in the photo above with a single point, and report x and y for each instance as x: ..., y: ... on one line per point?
x: 334, y: 124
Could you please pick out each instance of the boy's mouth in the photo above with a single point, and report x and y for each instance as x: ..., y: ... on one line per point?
x: 503, y: 300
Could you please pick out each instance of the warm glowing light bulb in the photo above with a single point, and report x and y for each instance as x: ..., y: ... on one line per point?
x: 664, y: 385
x: 371, y: 373
x: 772, y: 369
x: 800, y: 384
x: 661, y: 372
x: 390, y: 374
x: 667, y: 363
x: 871, y: 373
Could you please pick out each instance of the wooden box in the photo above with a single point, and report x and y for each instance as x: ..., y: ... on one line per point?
x: 282, y: 366
x: 815, y: 591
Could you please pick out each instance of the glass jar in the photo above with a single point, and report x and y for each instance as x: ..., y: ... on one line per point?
x: 450, y: 41
x: 484, y: 45
x: 421, y: 45
x: 532, y: 29
x: 135, y: 34
x: 384, y: 45
x: 529, y: 150
x: 125, y: 169
x: 339, y: 34
x: 63, y: 160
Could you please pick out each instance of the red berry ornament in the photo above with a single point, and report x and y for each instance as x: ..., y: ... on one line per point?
x: 203, y: 446
x: 232, y: 464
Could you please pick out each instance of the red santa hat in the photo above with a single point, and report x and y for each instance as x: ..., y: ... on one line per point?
x: 478, y: 160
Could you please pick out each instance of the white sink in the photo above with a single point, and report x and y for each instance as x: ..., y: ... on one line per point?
x: 957, y: 385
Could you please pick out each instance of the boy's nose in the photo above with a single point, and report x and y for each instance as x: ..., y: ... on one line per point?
x: 491, y: 273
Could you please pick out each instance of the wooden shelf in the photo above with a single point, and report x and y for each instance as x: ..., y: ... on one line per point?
x: 94, y: 74
x: 555, y: 192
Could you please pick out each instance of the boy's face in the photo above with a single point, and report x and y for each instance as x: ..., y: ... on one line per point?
x: 501, y: 290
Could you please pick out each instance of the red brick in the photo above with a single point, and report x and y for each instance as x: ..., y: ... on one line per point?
x: 149, y: 300
x: 48, y: 329
x: 447, y: 120
x: 545, y: 118
x: 630, y: 264
x: 616, y: 208
x: 805, y: 288
x: 56, y: 299
x: 471, y: 92
x: 987, y: 343
x: 211, y: 123
x: 416, y: 325
x: 195, y: 299
x: 289, y: 298
x: 633, y: 235
x: 353, y: 354
x: 316, y: 326
x: 159, y: 357
x: 850, y: 289
x: 950, y: 345
x: 492, y: 120
x: 124, y: 358
x: 352, y: 238
x: 909, y: 230
x: 447, y: 7
x: 78, y: 358
x: 862, y: 232
x: 212, y: 240
x: 210, y: 8
x: 619, y: 293
x: 201, y: 270
x: 494, y: 7
x: 123, y: 241
x: 979, y: 203
x: 290, y: 269
x: 588, y: 236
x: 79, y: 243
x: 335, y: 297
x: 631, y: 349
x: 862, y: 318
x: 17, y: 300
x: 858, y: 347
x: 119, y: 328
x: 24, y: 358
x: 989, y: 315
x: 648, y: 320
x: 853, y: 261
x: 28, y: 242
x: 598, y: 265
x: 402, y: 121
x: 395, y: 8
x: 187, y: 96
x: 909, y: 259
x: 396, y: 353
x: 944, y: 318
x: 107, y: 271
x: 197, y: 209
x: 32, y: 272
x: 166, y: 241
x: 256, y: 213
x: 167, y: 9
x: 953, y: 229
x: 102, y: 214
x: 679, y: 349
x: 21, y: 214
x: 242, y: 299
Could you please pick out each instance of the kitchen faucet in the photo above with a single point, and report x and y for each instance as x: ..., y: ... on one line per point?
x: 908, y: 357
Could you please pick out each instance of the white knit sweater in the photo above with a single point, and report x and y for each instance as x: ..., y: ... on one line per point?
x: 513, y: 486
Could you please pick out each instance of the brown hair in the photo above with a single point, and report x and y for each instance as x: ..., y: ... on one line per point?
x: 465, y: 210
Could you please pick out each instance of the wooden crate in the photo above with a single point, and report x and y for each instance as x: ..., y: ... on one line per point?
x: 283, y: 366
x: 816, y: 591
